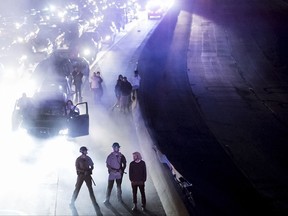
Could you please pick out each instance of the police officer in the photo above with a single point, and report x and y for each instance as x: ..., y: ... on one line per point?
x: 84, y: 166
x: 116, y: 164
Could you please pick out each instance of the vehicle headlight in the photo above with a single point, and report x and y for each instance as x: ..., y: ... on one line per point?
x: 86, y: 52
x: 64, y: 132
x: 23, y: 58
x: 107, y: 37
x: 20, y: 39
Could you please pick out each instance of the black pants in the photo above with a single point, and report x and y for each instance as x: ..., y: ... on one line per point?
x: 78, y: 93
x: 97, y: 94
x: 142, y: 191
x: 88, y: 180
x: 110, y: 186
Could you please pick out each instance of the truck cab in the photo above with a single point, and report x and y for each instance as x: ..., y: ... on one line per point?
x: 45, y: 114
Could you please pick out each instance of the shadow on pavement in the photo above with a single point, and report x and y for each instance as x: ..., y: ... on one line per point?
x: 75, y: 212
x: 137, y: 212
x: 114, y: 210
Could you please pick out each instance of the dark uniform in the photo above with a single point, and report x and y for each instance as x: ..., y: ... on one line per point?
x: 84, y: 166
x: 125, y: 99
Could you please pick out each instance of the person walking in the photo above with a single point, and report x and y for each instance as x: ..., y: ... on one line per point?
x: 96, y: 86
x: 84, y: 167
x: 125, y: 99
x: 138, y: 176
x: 135, y: 82
x: 77, y: 81
x: 116, y: 164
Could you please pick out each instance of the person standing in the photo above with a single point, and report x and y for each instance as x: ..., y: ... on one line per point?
x: 96, y: 86
x: 135, y: 82
x: 24, y: 104
x: 138, y: 176
x: 71, y: 109
x: 21, y: 115
x: 125, y: 99
x: 116, y: 164
x: 77, y: 81
x: 84, y: 167
x: 117, y: 90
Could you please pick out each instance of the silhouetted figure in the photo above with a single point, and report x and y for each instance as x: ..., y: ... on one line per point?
x: 125, y: 99
x: 77, y: 81
x: 117, y: 90
x: 84, y: 166
x: 138, y: 176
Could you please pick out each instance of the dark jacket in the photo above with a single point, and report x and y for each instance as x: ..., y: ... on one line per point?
x: 77, y: 77
x: 84, y: 165
x: 137, y: 171
x: 126, y: 88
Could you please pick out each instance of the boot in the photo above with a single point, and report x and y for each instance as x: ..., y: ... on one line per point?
x: 134, y: 208
x: 106, y: 202
x: 119, y: 195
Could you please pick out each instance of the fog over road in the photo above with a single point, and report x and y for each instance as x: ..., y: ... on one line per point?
x: 39, y: 174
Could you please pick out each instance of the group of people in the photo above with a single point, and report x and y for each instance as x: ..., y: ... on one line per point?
x: 116, y: 165
x: 125, y: 91
x: 95, y: 85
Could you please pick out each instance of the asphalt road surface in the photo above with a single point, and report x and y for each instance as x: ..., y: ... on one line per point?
x: 214, y: 96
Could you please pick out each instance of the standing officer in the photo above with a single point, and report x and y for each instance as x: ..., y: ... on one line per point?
x: 116, y: 164
x: 84, y: 166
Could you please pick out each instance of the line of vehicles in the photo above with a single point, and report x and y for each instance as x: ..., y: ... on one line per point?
x: 62, y: 37
x: 56, y: 40
x: 82, y: 26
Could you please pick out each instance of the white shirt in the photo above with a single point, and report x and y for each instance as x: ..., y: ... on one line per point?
x: 135, y: 80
